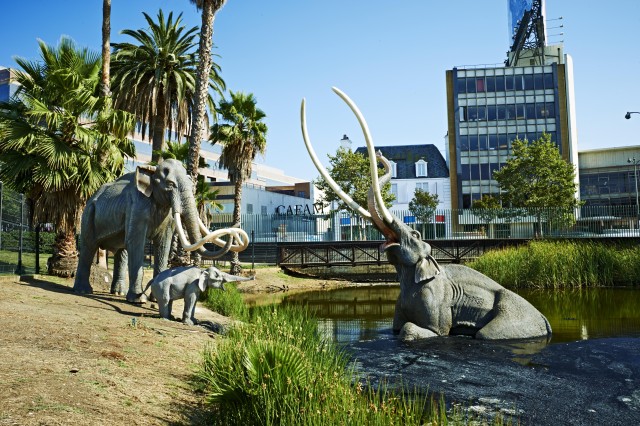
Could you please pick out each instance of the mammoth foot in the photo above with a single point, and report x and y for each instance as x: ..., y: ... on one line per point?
x: 410, y: 332
x: 136, y: 298
x: 83, y: 290
x: 118, y: 288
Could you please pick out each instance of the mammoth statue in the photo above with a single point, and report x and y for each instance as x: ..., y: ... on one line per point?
x: 146, y: 204
x: 187, y: 282
x: 434, y: 300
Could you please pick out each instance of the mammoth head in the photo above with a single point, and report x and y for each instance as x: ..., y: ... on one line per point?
x: 215, y: 278
x: 403, y: 245
x: 169, y: 186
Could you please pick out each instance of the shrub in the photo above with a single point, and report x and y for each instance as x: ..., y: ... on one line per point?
x: 228, y: 303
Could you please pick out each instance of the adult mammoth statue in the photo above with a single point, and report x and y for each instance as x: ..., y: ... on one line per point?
x: 123, y: 214
x: 434, y: 300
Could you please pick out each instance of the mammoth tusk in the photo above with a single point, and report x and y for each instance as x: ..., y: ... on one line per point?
x: 240, y: 239
x: 332, y: 183
x: 373, y: 163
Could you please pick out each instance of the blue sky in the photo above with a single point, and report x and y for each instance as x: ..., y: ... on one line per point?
x: 389, y: 57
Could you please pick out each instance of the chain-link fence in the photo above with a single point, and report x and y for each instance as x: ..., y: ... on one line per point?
x: 23, y: 249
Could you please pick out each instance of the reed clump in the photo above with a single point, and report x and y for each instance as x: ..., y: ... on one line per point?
x: 562, y: 264
x: 279, y: 370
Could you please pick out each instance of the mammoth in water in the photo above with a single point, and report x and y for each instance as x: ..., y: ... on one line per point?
x: 123, y: 214
x: 434, y: 300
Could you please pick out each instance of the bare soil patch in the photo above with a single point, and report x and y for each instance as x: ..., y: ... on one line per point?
x: 95, y: 359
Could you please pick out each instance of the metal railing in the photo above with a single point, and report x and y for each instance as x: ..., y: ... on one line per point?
x: 521, y: 223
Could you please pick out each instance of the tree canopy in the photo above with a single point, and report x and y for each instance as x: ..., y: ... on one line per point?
x: 536, y: 175
x: 350, y: 170
x: 423, y: 205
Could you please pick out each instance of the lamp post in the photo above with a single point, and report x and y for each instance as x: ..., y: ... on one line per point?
x: 635, y: 168
x: 635, y: 179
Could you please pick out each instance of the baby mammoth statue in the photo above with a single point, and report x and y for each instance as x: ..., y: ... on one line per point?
x: 187, y: 282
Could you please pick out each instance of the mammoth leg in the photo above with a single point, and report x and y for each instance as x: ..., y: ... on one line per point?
x: 135, y: 250
x: 190, y: 298
x: 514, y: 318
x: 162, y: 248
x: 118, y: 284
x: 398, y: 318
x: 85, y: 260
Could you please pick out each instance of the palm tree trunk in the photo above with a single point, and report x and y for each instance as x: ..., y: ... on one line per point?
x: 106, y: 48
x: 209, y: 9
x: 105, y: 88
x: 64, y: 261
x: 159, y: 126
x: 237, y: 198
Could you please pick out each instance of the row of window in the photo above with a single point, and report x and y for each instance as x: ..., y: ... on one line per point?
x: 421, y: 168
x: 468, y: 199
x: 482, y: 171
x: 604, y: 185
x: 419, y: 185
x: 508, y: 112
x: 505, y: 83
x: 493, y: 142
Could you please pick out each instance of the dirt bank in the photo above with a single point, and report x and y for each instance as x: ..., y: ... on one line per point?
x: 95, y: 359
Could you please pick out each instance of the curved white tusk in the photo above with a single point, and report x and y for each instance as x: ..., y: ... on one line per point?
x: 240, y: 237
x: 332, y: 183
x: 373, y: 163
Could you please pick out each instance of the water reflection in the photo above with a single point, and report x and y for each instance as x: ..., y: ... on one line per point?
x: 366, y: 313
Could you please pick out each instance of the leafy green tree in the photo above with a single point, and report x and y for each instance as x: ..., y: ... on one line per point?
x: 242, y: 134
x: 536, y: 177
x: 206, y: 67
x: 350, y: 170
x: 54, y: 133
x: 487, y: 208
x: 155, y: 77
x: 423, y: 205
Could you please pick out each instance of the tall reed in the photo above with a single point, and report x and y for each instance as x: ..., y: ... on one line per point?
x: 562, y: 264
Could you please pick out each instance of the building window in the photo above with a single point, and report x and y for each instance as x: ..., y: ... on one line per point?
x: 421, y: 168
x: 394, y: 169
x: 394, y: 190
x: 263, y: 209
x: 249, y: 208
x: 424, y: 186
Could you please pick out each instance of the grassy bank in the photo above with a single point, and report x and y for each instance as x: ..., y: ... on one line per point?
x: 278, y: 369
x: 564, y: 264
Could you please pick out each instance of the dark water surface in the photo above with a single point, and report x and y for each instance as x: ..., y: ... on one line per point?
x: 366, y: 312
x: 588, y: 373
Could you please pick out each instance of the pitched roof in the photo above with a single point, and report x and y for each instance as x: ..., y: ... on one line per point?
x: 406, y: 156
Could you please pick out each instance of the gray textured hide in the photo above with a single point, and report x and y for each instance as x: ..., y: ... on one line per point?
x: 187, y: 282
x: 462, y: 301
x: 434, y: 301
x: 122, y: 215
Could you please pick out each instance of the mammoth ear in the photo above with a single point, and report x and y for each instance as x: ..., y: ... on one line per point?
x: 143, y: 179
x: 202, y: 281
x: 426, y: 269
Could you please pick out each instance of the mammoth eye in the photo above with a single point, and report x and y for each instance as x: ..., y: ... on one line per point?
x: 170, y: 184
x: 416, y: 234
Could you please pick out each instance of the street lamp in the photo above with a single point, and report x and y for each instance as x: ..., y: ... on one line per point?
x: 628, y: 114
x: 635, y: 178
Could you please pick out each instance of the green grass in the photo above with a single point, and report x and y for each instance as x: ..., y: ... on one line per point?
x: 278, y: 370
x: 565, y: 264
x: 228, y: 303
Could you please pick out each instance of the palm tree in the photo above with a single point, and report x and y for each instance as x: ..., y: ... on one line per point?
x: 242, y: 135
x: 106, y: 48
x: 155, y: 77
x: 53, y: 133
x: 209, y: 9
